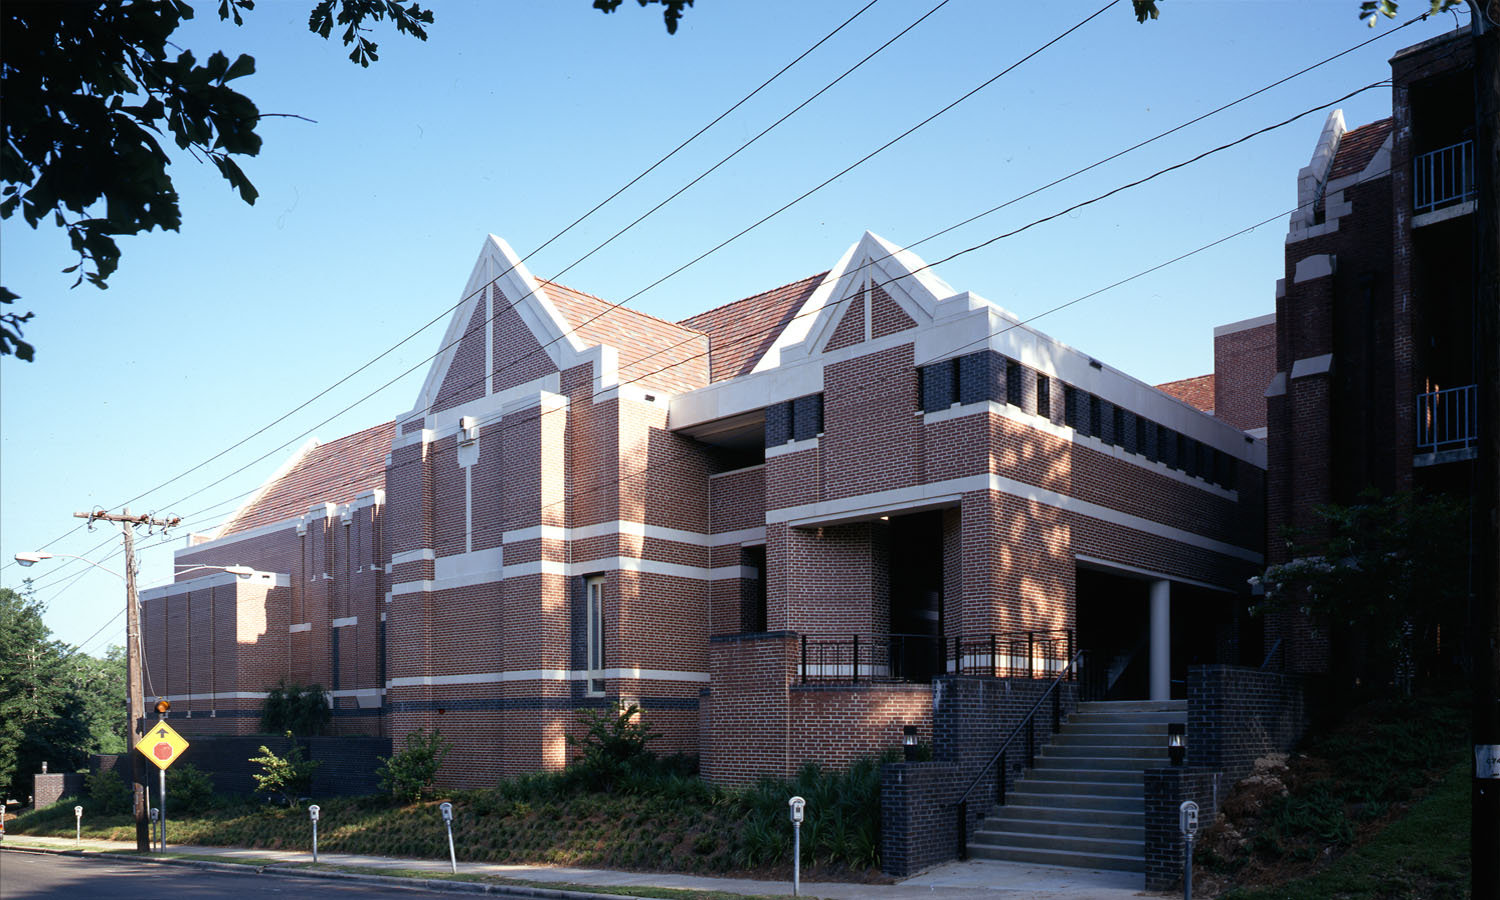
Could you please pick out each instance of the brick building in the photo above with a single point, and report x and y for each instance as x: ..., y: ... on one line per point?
x: 771, y: 524
x: 1374, y: 384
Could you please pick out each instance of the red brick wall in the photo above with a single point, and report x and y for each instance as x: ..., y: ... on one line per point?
x: 1244, y: 363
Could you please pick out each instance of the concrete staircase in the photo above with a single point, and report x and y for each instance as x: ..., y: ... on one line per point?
x: 1083, y: 804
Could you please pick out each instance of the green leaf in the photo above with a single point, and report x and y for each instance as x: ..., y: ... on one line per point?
x: 244, y: 65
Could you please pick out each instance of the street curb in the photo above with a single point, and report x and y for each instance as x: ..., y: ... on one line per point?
x: 432, y: 884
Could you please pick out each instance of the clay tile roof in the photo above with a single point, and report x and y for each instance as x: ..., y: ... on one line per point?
x: 653, y: 351
x: 1195, y: 392
x: 1358, y: 147
x: 740, y: 332
x: 335, y: 472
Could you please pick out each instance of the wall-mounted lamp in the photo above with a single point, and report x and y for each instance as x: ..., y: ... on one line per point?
x: 909, y: 742
x: 1177, y: 742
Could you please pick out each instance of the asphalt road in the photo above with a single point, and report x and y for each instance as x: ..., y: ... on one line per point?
x: 26, y: 875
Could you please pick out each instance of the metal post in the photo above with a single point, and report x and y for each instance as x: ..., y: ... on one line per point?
x: 804, y: 659
x: 1031, y: 654
x: 1000, y: 783
x: 856, y: 658
x: 994, y: 660
x: 162, y: 828
x: 796, y: 859
x: 1187, y: 871
x: 78, y: 817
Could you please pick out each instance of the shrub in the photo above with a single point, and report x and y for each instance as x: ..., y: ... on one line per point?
x: 613, y: 744
x: 289, y: 777
x: 294, y: 708
x: 189, y: 790
x: 108, y: 793
x: 408, y: 774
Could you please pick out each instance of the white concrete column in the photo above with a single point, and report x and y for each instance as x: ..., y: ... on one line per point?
x: 1161, y: 640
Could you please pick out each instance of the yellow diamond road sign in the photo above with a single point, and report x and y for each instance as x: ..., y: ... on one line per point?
x: 161, y: 744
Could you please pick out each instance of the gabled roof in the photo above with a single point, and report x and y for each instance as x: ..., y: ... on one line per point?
x: 654, y: 351
x: 1358, y: 147
x: 1197, y: 392
x: 335, y: 472
x: 740, y: 332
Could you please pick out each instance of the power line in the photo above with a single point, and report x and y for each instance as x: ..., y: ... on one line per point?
x: 966, y: 221
x: 700, y: 257
x: 600, y: 205
x: 1098, y: 198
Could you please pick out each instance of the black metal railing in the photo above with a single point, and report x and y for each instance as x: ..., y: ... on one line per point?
x: 1015, y: 654
x: 917, y: 658
x: 865, y: 658
x: 1027, y: 728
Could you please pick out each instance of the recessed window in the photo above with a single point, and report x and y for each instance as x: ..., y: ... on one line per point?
x: 596, y: 635
x: 1043, y: 396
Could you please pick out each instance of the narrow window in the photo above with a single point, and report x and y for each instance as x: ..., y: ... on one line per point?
x: 1013, y: 373
x: 596, y: 636
x: 1070, y: 406
x: 1043, y: 396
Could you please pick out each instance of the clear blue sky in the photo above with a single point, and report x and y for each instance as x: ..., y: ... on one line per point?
x: 516, y: 118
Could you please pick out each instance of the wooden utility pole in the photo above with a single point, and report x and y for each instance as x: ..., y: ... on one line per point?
x: 135, y: 699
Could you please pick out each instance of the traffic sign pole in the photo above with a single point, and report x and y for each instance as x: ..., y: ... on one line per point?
x: 162, y: 790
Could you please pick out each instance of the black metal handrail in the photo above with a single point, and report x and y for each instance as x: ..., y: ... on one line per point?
x: 1271, y: 655
x: 1000, y: 754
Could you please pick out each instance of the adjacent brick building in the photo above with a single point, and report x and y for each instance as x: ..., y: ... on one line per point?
x: 771, y: 525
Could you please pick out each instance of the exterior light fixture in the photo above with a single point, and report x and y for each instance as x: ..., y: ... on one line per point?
x: 1177, y: 742
x: 31, y: 559
x: 909, y: 742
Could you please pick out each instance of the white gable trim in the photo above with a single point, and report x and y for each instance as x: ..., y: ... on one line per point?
x: 498, y: 266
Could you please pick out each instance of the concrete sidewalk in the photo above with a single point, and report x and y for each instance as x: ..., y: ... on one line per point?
x: 974, y: 880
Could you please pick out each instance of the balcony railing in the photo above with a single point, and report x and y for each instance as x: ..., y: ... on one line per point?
x: 1448, y: 419
x: 916, y: 658
x: 1443, y: 177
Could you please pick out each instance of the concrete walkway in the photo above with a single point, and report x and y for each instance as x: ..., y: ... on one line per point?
x: 974, y: 880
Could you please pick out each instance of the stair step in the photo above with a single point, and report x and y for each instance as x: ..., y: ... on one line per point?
x: 1131, y: 726
x: 1031, y: 785
x: 1130, y: 833
x: 1145, y: 757
x: 1083, y: 739
x: 1057, y: 770
x: 1093, y: 706
x: 1062, y: 858
x: 1074, y: 801
x: 1158, y: 717
x: 1035, y: 813
x: 1057, y: 842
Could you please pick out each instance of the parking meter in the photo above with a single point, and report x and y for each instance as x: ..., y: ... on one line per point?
x: 78, y: 815
x: 312, y: 813
x: 447, y: 810
x: 798, y: 808
x: 1187, y: 822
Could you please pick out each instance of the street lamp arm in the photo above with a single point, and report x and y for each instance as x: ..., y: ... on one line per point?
x: 31, y: 559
